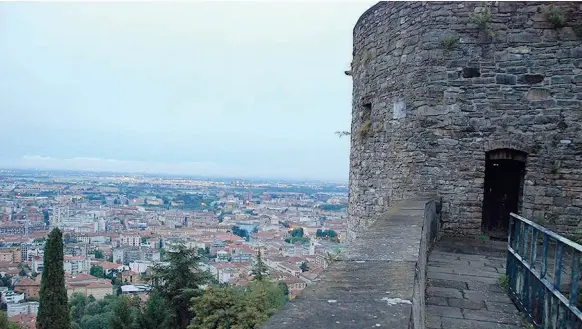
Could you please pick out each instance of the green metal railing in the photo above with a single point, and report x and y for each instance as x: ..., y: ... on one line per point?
x: 543, y: 272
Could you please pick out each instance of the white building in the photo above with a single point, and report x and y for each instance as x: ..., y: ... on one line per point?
x: 76, y: 264
x: 130, y: 240
x: 134, y: 289
x: 10, y: 296
x: 22, y: 308
x: 222, y: 256
x: 139, y: 266
x: 37, y: 264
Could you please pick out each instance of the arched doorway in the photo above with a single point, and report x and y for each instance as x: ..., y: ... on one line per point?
x: 504, y: 173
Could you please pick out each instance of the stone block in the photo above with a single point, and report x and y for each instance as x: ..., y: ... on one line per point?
x: 471, y: 72
x: 487, y: 296
x: 467, y: 304
x: 446, y: 311
x: 479, y: 286
x: 483, y: 315
x: 576, y: 52
x: 523, y: 37
x: 444, y: 292
x: 538, y: 94
x: 560, y: 79
x: 447, y: 284
x: 501, y: 307
x: 438, y: 301
x: 454, y: 323
x: 505, y: 79
x: 562, y: 202
x: 531, y: 78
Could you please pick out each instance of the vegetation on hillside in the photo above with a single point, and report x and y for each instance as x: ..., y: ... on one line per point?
x: 222, y: 307
x: 180, y: 299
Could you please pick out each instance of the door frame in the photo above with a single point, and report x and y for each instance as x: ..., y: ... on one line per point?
x: 504, y: 154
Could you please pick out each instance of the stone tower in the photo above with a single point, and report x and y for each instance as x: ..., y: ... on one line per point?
x: 477, y: 103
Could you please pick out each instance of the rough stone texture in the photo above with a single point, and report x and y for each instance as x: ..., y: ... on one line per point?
x: 433, y: 117
x: 462, y: 286
x: 378, y: 281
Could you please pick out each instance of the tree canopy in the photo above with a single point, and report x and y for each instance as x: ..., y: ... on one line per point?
x: 178, y: 282
x: 228, y: 307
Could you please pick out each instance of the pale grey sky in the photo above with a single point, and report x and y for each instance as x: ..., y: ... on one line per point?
x: 204, y: 88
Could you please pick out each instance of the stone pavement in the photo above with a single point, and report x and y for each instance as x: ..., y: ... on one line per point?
x: 463, y: 289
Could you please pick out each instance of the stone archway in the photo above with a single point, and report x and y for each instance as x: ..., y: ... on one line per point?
x: 503, y: 189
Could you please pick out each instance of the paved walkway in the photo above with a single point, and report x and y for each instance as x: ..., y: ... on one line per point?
x: 463, y: 290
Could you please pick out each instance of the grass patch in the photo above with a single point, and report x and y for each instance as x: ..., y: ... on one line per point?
x: 365, y: 128
x: 503, y: 282
x: 556, y: 17
x: 484, y: 237
x: 450, y: 41
x: 525, y: 322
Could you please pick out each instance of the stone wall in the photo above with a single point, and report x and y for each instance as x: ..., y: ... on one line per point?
x: 377, y: 281
x: 427, y: 108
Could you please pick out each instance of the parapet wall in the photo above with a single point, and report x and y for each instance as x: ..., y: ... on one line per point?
x: 433, y: 92
x: 379, y: 280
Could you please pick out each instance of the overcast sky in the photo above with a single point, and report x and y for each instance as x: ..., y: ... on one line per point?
x: 205, y: 88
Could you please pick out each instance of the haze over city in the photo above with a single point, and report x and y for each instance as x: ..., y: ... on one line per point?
x: 204, y: 88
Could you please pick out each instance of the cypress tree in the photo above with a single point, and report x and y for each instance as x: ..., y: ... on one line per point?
x: 53, y: 312
x: 259, y: 271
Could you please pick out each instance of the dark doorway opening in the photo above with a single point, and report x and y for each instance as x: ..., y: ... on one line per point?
x: 504, y: 173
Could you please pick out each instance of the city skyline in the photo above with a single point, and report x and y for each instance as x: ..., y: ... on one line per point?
x: 183, y: 88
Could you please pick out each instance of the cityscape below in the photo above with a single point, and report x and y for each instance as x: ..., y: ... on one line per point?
x: 116, y: 227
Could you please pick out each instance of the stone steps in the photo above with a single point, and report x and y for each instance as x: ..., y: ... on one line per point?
x: 463, y: 291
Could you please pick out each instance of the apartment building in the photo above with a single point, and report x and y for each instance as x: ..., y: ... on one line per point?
x: 76, y: 264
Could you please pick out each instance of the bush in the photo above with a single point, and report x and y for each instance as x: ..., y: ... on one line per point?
x: 450, y: 41
x: 482, y: 18
x: 556, y: 17
x: 365, y: 128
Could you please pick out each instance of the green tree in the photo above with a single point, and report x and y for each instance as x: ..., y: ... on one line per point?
x: 259, y: 271
x: 97, y: 271
x: 304, y: 267
x: 297, y: 232
x: 77, y: 304
x: 98, y: 254
x: 68, y: 238
x: 3, y: 320
x: 154, y: 314
x: 4, y: 324
x: 6, y: 281
x: 266, y: 296
x: 100, y: 321
x: 218, y: 308
x: 227, y: 307
x: 284, y: 288
x: 123, y: 316
x: 53, y: 308
x: 178, y: 282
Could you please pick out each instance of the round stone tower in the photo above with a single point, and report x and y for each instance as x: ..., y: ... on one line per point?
x: 477, y: 103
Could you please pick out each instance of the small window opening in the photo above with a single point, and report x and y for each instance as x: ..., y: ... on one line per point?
x: 366, y: 112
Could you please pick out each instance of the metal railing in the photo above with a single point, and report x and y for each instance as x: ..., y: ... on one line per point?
x: 543, y: 272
